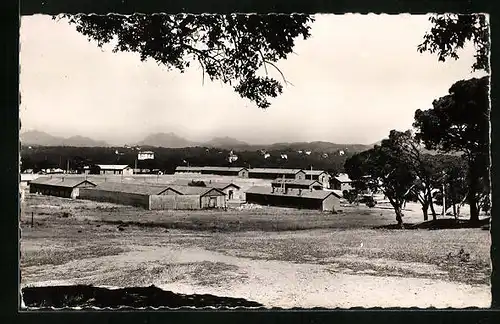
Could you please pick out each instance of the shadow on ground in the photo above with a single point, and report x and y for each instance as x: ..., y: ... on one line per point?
x: 438, y: 224
x: 89, y: 296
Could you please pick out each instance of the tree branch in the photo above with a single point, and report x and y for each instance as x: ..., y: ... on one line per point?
x: 282, y: 75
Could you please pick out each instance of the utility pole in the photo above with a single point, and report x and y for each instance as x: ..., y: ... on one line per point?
x: 67, y: 166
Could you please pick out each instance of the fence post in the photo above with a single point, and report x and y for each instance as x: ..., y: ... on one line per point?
x: 32, y: 219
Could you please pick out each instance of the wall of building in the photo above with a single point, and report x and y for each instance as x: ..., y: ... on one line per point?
x: 258, y: 175
x: 331, y: 203
x: 324, y: 179
x: 243, y: 174
x: 220, y: 201
x: 172, y: 202
x: 284, y: 201
x: 237, y: 193
x: 300, y: 175
x: 128, y: 172
x: 116, y: 197
x: 51, y: 190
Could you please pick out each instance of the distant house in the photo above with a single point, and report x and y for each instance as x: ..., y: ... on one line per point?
x: 208, y: 197
x: 61, y: 187
x: 232, y: 191
x: 342, y: 182
x: 321, y: 176
x: 223, y: 171
x: 302, y: 199
x: 260, y: 173
x: 296, y: 184
x: 273, y: 173
x: 121, y: 169
x: 146, y: 155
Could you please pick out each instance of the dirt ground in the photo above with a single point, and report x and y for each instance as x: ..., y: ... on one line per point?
x: 329, y: 267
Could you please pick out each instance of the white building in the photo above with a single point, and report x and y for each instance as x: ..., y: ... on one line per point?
x: 146, y: 155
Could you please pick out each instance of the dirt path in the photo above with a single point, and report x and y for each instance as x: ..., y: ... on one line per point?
x: 272, y: 283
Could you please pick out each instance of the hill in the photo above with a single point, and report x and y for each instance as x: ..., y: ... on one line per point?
x: 172, y: 140
x: 168, y: 140
x: 38, y: 138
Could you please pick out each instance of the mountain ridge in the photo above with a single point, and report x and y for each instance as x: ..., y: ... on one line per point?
x: 172, y: 140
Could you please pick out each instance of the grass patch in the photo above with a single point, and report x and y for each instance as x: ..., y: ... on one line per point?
x: 417, y: 246
x: 50, y: 256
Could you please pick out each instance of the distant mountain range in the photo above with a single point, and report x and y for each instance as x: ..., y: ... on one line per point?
x: 171, y: 140
x: 43, y: 139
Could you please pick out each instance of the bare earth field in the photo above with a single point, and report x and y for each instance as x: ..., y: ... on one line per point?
x: 277, y: 257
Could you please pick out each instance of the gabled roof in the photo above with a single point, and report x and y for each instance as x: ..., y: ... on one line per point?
x: 112, y: 166
x: 186, y: 168
x: 305, y: 182
x: 143, y: 189
x: 210, y: 168
x: 234, y: 169
x: 60, y: 182
x: 343, y: 178
x: 208, y: 184
x: 190, y: 190
x: 275, y: 171
x: 306, y: 194
x: 222, y: 185
x: 315, y: 172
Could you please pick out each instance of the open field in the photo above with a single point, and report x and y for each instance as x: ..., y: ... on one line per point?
x: 245, y: 218
x: 343, y: 263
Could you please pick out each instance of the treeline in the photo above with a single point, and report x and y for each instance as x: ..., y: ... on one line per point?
x: 458, y: 127
x: 167, y: 159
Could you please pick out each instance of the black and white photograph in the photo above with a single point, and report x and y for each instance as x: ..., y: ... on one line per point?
x: 254, y: 161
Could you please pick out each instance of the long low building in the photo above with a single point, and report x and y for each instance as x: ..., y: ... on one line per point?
x: 261, y: 173
x: 303, y: 199
x: 61, y: 187
x: 224, y: 171
x: 232, y: 191
x: 296, y: 184
x: 156, y: 197
x: 121, y: 169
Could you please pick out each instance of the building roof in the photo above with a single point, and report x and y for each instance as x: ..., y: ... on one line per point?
x: 274, y: 171
x: 209, y: 168
x: 112, y: 166
x: 315, y: 172
x: 222, y: 185
x: 305, y: 182
x: 213, y: 184
x: 191, y: 190
x: 251, y: 170
x: 342, y: 177
x: 186, y: 168
x: 315, y: 194
x: 143, y: 189
x: 60, y: 181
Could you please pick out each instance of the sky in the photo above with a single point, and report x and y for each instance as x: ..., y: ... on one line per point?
x: 356, y: 78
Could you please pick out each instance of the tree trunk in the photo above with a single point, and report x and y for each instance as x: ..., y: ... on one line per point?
x: 472, y: 199
x: 474, y: 211
x: 425, y: 211
x: 431, y: 204
x: 399, y: 216
x: 473, y: 189
x: 455, y: 210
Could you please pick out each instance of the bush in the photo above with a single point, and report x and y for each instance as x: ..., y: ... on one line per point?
x: 350, y: 195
